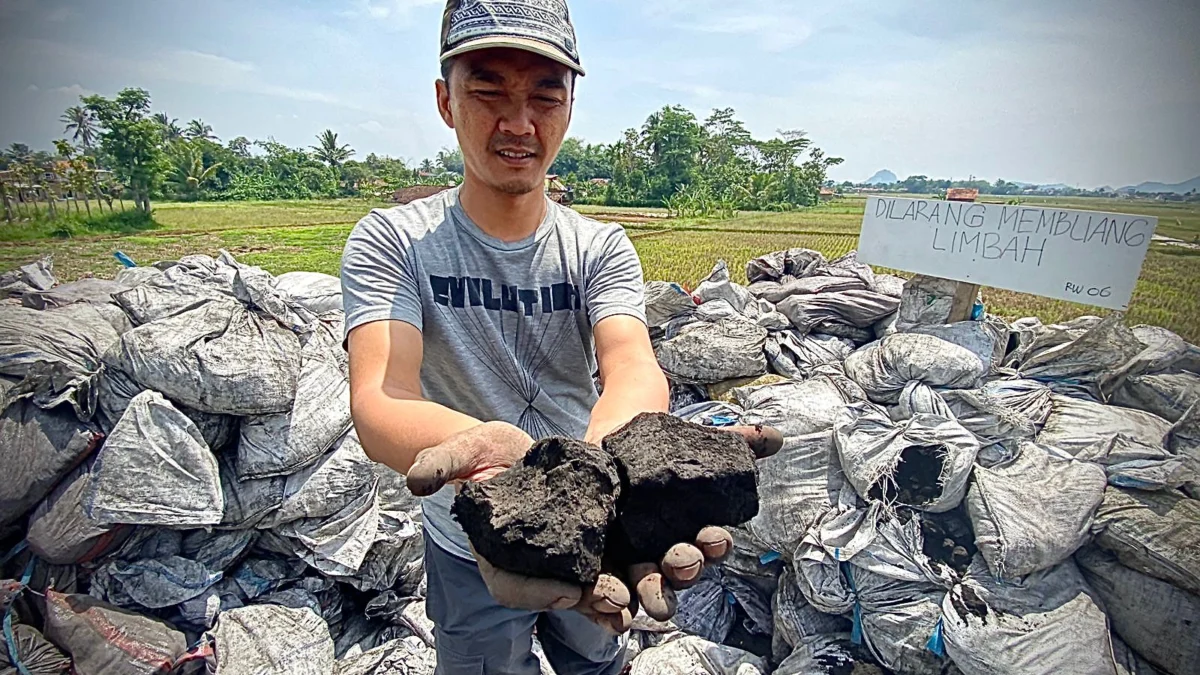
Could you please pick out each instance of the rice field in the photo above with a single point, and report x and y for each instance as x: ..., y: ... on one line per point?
x: 287, y: 236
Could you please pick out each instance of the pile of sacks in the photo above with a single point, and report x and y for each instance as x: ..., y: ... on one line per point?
x: 182, y: 486
x: 184, y: 491
x: 979, y: 497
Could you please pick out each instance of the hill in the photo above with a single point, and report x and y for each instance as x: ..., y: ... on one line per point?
x: 882, y: 177
x: 1152, y: 187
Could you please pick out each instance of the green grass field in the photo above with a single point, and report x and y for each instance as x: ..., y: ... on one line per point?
x: 309, y: 235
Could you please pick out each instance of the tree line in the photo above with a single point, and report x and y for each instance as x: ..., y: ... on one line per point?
x: 120, y: 146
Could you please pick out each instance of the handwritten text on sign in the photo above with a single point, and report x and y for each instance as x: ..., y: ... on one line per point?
x: 1082, y: 256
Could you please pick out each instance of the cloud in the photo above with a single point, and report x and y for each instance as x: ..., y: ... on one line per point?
x: 396, y: 12
x: 371, y: 126
x: 775, y: 25
x: 73, y: 90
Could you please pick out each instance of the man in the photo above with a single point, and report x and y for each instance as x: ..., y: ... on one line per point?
x: 475, y: 320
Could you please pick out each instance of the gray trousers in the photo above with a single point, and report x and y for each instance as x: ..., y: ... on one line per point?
x: 476, y: 636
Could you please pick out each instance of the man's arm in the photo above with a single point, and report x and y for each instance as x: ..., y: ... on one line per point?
x: 394, y: 422
x: 633, y: 383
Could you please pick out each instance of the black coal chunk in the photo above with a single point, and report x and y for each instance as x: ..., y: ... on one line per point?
x: 546, y: 517
x: 677, y: 478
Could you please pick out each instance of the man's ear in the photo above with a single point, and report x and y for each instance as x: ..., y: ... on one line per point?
x: 443, y: 102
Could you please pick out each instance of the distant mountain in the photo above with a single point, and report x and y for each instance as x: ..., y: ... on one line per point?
x: 882, y: 177
x: 1152, y: 187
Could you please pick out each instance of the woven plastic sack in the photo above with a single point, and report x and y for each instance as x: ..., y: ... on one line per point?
x: 827, y: 654
x: 820, y: 312
x: 794, y: 262
x: 795, y: 355
x: 152, y: 584
x: 247, y: 502
x: 705, y: 352
x: 885, y: 367
x: 316, y: 292
x: 35, y: 654
x: 665, y: 301
x: 696, y: 656
x: 340, y: 477
x: 283, y: 443
x: 801, y: 481
x: 404, y: 656
x: 1128, y: 443
x: 155, y: 469
x: 870, y: 562
x: 336, y: 545
x: 1155, y: 533
x: 102, y: 639
x: 1153, y: 617
x: 55, y: 357
x: 794, y: 619
x: 270, y: 639
x: 1001, y: 412
x: 179, y: 289
x: 1047, y: 622
x: 219, y: 358
x: 717, y: 286
x: 39, y: 448
x: 84, y: 290
x: 1077, y: 358
x: 60, y: 531
x: 1033, y: 512
x: 1167, y: 395
x: 924, y: 462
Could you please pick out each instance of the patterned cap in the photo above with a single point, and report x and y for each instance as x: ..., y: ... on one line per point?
x: 539, y: 26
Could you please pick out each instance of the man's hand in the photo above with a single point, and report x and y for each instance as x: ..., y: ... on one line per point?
x: 479, y: 453
x: 610, y: 602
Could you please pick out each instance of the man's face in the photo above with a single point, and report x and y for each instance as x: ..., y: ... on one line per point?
x: 510, y: 109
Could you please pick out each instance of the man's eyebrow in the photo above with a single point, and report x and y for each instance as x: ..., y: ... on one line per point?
x: 485, y: 75
x: 551, y: 83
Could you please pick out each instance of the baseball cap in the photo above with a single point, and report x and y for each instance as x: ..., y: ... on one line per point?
x: 539, y: 26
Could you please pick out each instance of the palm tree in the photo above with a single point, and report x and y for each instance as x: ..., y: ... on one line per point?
x: 197, y: 129
x: 171, y: 131
x: 81, y: 123
x: 188, y: 172
x: 17, y: 153
x: 329, y: 151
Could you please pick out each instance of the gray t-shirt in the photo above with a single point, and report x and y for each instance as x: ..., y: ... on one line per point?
x: 506, y: 327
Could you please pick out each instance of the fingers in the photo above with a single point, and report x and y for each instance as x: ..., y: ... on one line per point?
x: 607, y: 603
x: 655, y: 595
x: 433, y: 468
x: 516, y: 591
x: 682, y: 565
x: 764, y: 441
x: 715, y: 543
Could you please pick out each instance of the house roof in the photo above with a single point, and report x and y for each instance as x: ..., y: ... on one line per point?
x: 962, y: 194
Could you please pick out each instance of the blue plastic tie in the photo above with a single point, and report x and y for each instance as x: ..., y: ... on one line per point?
x: 937, y: 642
x: 124, y: 259
x: 14, y: 552
x: 769, y: 557
x: 722, y: 421
x: 856, y: 633
x: 10, y: 639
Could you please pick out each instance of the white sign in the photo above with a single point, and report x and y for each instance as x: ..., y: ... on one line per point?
x: 1081, y: 256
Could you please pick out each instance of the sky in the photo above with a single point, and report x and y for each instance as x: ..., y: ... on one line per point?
x: 1083, y: 92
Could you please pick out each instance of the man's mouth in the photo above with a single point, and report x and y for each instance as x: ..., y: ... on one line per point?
x: 516, y: 154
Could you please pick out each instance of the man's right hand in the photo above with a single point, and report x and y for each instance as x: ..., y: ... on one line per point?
x: 477, y: 454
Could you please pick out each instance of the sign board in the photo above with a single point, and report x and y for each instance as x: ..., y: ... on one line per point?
x: 1081, y: 256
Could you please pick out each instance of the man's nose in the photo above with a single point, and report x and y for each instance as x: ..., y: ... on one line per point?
x: 517, y: 120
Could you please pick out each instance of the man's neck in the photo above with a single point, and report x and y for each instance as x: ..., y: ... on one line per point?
x: 503, y: 216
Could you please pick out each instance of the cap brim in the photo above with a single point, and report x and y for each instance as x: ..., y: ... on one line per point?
x: 526, y: 44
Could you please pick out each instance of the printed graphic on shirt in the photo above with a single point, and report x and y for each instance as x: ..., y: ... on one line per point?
x: 461, y: 291
x: 535, y: 324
